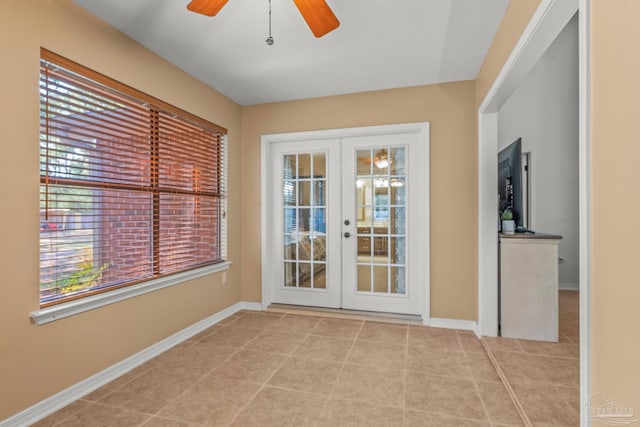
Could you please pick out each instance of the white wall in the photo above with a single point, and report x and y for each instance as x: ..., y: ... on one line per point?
x: 544, y: 112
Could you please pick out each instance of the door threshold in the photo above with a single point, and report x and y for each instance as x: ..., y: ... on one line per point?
x: 345, y: 313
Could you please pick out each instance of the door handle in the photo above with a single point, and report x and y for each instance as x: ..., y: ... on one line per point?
x: 347, y: 234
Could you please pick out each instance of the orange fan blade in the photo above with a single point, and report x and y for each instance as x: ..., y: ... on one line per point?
x: 206, y: 7
x: 319, y: 16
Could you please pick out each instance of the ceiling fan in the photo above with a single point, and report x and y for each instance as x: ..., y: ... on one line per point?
x: 317, y: 13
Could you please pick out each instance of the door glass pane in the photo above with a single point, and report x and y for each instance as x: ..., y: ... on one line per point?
x: 290, y: 274
x: 364, y: 162
x: 364, y: 278
x: 319, y: 168
x: 319, y: 276
x: 304, y: 185
x: 304, y: 220
x: 290, y: 248
x: 304, y: 165
x: 304, y: 195
x: 304, y: 274
x: 319, y: 192
x: 289, y: 191
x: 397, y: 191
x: 290, y: 223
x: 397, y: 220
x: 398, y: 161
x: 381, y: 161
x: 397, y: 250
x: 304, y: 248
x: 380, y: 278
x: 319, y: 249
x: 380, y: 249
x: 398, y: 280
x: 381, y: 213
x: 289, y: 166
x: 319, y: 220
x: 364, y: 248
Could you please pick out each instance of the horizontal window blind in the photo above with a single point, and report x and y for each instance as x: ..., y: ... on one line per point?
x: 131, y: 188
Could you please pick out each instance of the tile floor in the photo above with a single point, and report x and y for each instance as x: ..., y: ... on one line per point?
x: 546, y: 376
x: 284, y: 369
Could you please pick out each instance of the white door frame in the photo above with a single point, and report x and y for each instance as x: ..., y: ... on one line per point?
x: 545, y: 25
x: 266, y: 207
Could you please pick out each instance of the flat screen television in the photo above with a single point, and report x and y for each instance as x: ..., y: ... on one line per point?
x: 510, y: 174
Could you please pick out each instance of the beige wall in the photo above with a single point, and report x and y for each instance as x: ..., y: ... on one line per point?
x: 450, y: 109
x: 515, y: 20
x: 38, y: 361
x: 615, y: 299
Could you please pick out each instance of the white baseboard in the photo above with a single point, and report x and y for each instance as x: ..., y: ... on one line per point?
x: 254, y: 306
x: 568, y: 286
x: 86, y: 386
x: 466, y: 325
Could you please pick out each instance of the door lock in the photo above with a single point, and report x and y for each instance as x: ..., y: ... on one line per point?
x: 347, y: 234
x: 347, y: 222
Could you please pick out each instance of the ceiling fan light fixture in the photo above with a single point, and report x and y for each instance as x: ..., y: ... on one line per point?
x: 206, y: 7
x: 381, y: 159
x: 270, y: 38
x: 318, y: 15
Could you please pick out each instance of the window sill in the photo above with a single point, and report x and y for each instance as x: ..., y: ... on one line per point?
x: 71, y: 308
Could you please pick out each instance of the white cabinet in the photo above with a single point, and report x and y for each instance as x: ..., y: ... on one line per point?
x: 529, y: 286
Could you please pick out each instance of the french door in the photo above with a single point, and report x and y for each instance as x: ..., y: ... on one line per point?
x: 348, y: 222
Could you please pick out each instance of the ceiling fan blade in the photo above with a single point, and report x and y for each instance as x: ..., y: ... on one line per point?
x: 319, y: 16
x: 206, y: 7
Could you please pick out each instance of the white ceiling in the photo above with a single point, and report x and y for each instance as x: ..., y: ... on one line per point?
x: 380, y: 44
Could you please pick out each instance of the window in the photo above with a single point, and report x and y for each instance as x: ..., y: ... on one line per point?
x: 131, y: 188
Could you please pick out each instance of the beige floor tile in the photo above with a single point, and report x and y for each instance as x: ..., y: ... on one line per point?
x: 387, y: 333
x: 470, y: 342
x: 310, y: 375
x: 435, y: 361
x: 233, y: 317
x: 152, y: 390
x: 413, y: 418
x: 563, y: 348
x: 337, y: 328
x: 569, y: 301
x: 503, y: 344
x: 198, y: 358
x: 61, y: 414
x: 164, y: 422
x: 117, y: 383
x: 231, y: 336
x: 499, y: 406
x: 559, y: 370
x: 571, y: 395
x: 296, y: 324
x: 275, y: 341
x: 377, y: 354
x: 545, y: 406
x: 279, y: 407
x: 524, y: 367
x: 343, y: 413
x: 96, y: 415
x: 213, y: 401
x: 445, y: 395
x: 371, y: 385
x: 201, y: 335
x: 444, y: 339
x: 519, y: 367
x: 482, y: 368
x: 250, y: 366
x: 261, y: 320
x: 326, y: 348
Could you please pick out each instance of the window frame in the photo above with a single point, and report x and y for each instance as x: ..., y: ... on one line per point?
x: 92, y: 298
